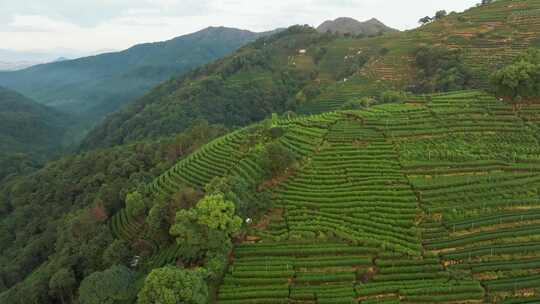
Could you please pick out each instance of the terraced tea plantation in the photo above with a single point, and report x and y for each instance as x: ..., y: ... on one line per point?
x: 434, y: 200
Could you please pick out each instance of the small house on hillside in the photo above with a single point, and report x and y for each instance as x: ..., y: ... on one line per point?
x: 302, y: 51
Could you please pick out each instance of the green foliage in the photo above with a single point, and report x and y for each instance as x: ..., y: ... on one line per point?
x: 62, y: 284
x: 440, y: 70
x: 392, y: 97
x: 217, y: 213
x: 275, y: 159
x: 172, y: 285
x: 207, y: 227
x: 117, y: 253
x: 357, y: 104
x: 57, y: 218
x: 114, y: 285
x: 135, y: 204
x: 520, y: 79
x: 440, y: 14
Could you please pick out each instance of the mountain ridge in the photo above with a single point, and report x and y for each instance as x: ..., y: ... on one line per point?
x: 92, y: 87
x: 348, y: 25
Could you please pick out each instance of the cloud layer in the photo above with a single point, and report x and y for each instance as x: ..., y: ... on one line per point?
x: 104, y: 24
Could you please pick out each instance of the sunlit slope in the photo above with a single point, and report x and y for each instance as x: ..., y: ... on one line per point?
x: 435, y: 200
x: 489, y: 36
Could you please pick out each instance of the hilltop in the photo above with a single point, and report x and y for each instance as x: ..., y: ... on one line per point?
x: 344, y: 25
x: 309, y: 72
x: 92, y: 87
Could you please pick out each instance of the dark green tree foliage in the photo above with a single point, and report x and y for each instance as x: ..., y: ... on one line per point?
x: 276, y: 159
x: 56, y: 218
x: 247, y: 200
x: 440, y: 70
x: 425, y: 20
x: 62, y: 284
x: 521, y: 79
x: 391, y: 97
x: 112, y: 286
x: 172, y: 285
x: 440, y: 14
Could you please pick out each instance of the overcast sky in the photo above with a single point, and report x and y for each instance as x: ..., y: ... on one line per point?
x: 91, y: 25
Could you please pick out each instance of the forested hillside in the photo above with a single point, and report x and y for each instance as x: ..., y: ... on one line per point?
x: 432, y: 199
x: 307, y: 168
x: 30, y: 133
x: 92, y: 87
x: 54, y: 222
x: 310, y: 72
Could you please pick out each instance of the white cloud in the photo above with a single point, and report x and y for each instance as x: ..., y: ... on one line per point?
x: 105, y: 24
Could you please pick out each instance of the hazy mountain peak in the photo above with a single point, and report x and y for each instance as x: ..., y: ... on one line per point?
x: 350, y: 25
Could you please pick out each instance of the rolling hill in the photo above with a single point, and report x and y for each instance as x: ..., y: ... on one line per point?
x: 427, y: 201
x: 29, y: 132
x: 429, y: 198
x: 92, y: 87
x: 333, y: 70
x: 343, y: 25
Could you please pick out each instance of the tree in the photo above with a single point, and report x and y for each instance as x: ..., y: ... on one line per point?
x: 392, y: 97
x: 521, y: 79
x: 440, y: 69
x: 111, y: 286
x: 440, y: 14
x: 135, y: 203
x: 275, y: 159
x: 206, y: 227
x: 118, y: 252
x: 62, y: 284
x: 425, y: 20
x: 172, y: 285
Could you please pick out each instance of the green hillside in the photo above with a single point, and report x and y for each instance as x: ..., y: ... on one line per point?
x: 275, y: 75
x: 305, y: 168
x: 92, y: 87
x: 430, y: 200
x: 30, y: 133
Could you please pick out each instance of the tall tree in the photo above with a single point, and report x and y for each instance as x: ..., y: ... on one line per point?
x: 172, y: 285
x: 111, y: 286
x: 521, y: 79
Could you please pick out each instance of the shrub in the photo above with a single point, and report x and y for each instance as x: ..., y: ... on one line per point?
x: 392, y: 97
x: 275, y: 159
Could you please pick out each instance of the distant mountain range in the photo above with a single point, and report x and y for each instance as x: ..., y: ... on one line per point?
x: 13, y: 60
x: 95, y: 86
x: 346, y: 25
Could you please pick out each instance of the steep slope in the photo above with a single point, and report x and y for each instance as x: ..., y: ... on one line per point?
x: 346, y: 25
x: 260, y: 78
x: 434, y: 200
x: 27, y: 128
x: 95, y: 86
x: 55, y: 219
x: 340, y: 69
